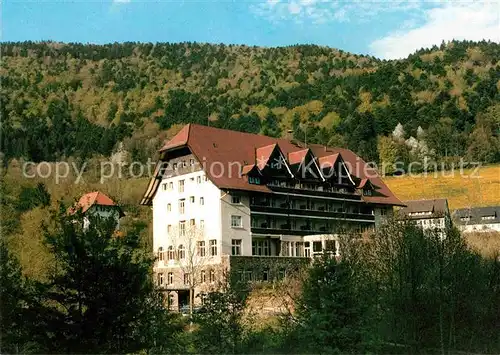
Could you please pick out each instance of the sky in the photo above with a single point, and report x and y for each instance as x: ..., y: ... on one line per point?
x: 387, y: 29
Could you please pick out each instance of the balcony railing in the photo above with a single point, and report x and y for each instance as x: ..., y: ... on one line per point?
x: 341, y: 193
x: 339, y: 214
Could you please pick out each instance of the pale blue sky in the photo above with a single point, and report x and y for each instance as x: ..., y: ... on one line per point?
x: 388, y: 29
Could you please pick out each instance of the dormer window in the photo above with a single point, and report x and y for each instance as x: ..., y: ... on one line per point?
x: 254, y: 180
x: 487, y: 218
x: 367, y: 192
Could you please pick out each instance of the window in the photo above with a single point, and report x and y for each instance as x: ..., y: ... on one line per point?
x: 169, y: 207
x: 181, y: 185
x: 191, y: 179
x: 182, y: 228
x: 181, y: 206
x: 191, y: 199
x: 203, y: 276
x: 331, y: 246
x: 174, y: 166
x: 160, y: 279
x: 184, y: 164
x: 200, y: 247
x: 317, y: 247
x: 367, y: 192
x: 164, y: 186
x: 236, y: 247
x: 205, y: 178
x: 187, y: 278
x: 254, y: 180
x: 265, y: 275
x: 484, y: 218
x: 212, y: 276
x: 307, y: 249
x: 170, y: 185
x: 170, y: 279
x: 160, y: 253
x: 170, y: 253
x: 169, y: 229
x: 236, y: 222
x: 202, y: 224
x: 202, y: 201
x: 383, y: 212
x: 247, y: 276
x: 192, y: 222
x: 182, y: 252
x: 261, y: 247
x: 213, y: 247
x: 198, y: 179
x: 191, y: 162
x: 236, y: 200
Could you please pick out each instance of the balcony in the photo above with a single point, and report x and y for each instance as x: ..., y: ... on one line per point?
x: 320, y: 211
x: 314, y: 190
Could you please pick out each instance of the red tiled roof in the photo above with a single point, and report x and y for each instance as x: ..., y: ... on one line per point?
x: 209, y: 144
x: 263, y: 154
x: 94, y: 198
x: 328, y: 160
x: 247, y: 169
x: 297, y: 157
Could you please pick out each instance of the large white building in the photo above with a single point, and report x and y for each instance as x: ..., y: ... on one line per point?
x: 223, y: 198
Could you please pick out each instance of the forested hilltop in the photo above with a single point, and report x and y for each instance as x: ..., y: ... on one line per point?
x: 77, y: 100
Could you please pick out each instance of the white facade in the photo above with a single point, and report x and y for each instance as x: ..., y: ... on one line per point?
x: 188, y: 199
x: 104, y: 212
x: 472, y: 228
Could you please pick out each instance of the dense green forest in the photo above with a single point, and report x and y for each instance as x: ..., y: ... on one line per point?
x: 78, y: 100
x: 398, y: 291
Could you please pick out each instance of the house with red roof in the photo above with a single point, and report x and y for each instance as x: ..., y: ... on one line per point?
x: 98, y: 204
x: 233, y: 195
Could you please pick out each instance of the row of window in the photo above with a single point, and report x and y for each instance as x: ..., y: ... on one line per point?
x: 182, y: 227
x: 187, y: 278
x: 180, y: 252
x: 169, y: 186
x: 182, y: 204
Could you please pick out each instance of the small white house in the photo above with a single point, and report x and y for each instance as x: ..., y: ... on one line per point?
x: 430, y: 215
x: 479, y: 219
x: 97, y: 203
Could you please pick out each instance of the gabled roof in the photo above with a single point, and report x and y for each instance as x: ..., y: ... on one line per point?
x: 263, y: 154
x: 467, y: 216
x: 328, y: 161
x: 427, y: 208
x: 299, y: 162
x: 366, y: 184
x: 249, y: 169
x: 95, y: 198
x: 234, y: 150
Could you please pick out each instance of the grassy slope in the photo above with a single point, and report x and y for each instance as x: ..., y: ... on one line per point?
x: 461, y: 190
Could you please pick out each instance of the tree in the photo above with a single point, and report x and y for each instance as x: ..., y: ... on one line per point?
x: 14, y: 297
x: 101, y: 296
x: 330, y: 312
x: 220, y: 320
x: 191, y: 259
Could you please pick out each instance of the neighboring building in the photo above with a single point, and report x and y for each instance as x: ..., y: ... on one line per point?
x: 238, y: 196
x: 97, y: 203
x: 428, y: 214
x: 478, y: 219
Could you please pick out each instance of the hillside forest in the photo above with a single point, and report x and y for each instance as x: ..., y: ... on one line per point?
x: 397, y: 290
x: 61, y: 100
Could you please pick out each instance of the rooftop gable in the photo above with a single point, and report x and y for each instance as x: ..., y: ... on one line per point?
x: 232, y: 150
